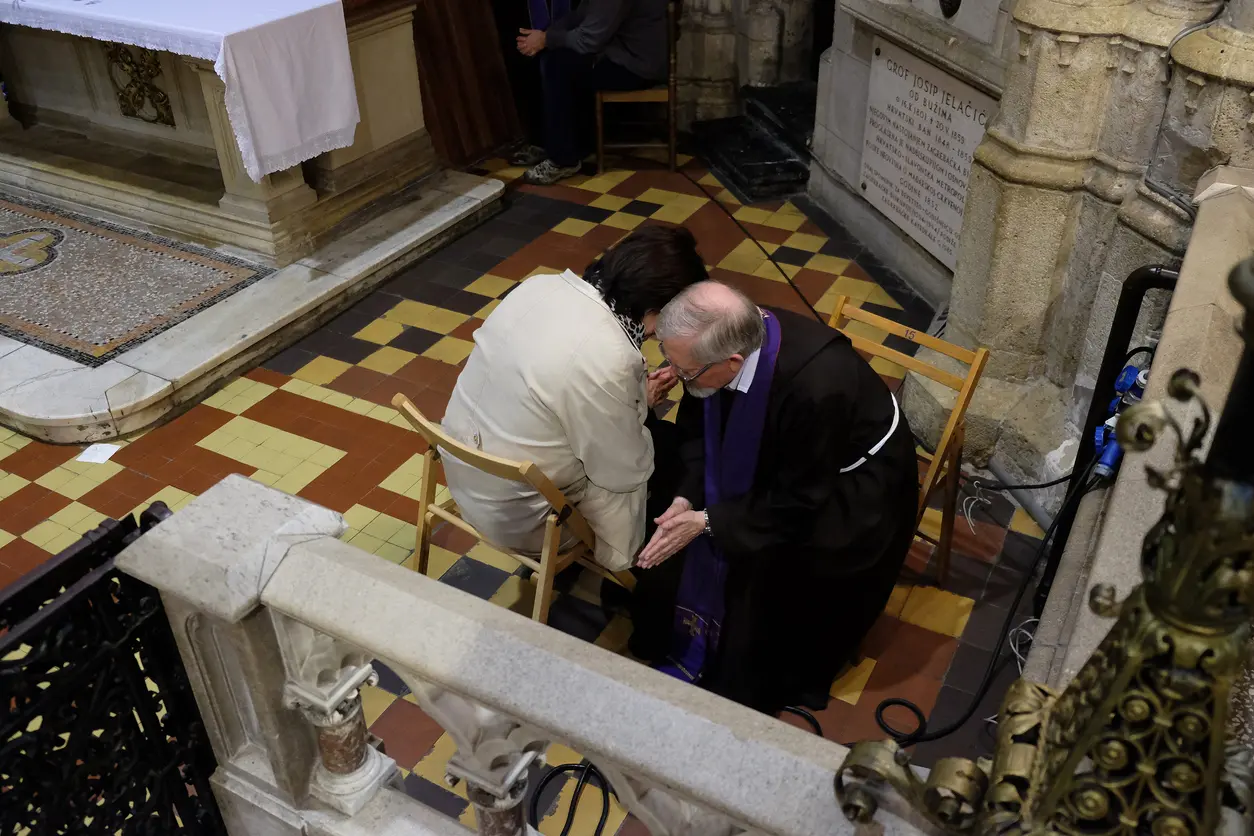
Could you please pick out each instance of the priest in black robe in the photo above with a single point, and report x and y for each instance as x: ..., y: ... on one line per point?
x: 795, y: 506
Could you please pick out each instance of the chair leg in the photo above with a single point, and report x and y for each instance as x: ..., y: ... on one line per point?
x: 626, y: 580
x: 673, y: 129
x: 953, y: 480
x: 548, y: 571
x: 426, y: 498
x: 600, y: 135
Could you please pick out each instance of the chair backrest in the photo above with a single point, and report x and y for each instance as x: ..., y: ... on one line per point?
x: 964, y: 386
x: 672, y: 39
x: 527, y: 472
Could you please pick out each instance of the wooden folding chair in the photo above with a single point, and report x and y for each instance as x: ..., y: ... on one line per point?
x: 562, y: 513
x: 667, y: 93
x: 946, y: 462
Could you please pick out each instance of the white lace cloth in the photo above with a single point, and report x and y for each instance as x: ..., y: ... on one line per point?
x: 289, y: 82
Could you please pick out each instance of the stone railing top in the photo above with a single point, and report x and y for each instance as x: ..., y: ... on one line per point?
x: 242, y: 545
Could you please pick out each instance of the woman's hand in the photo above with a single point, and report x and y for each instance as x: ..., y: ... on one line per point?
x: 660, y: 383
x: 678, y: 527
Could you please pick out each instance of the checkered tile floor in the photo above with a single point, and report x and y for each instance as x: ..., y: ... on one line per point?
x: 315, y: 421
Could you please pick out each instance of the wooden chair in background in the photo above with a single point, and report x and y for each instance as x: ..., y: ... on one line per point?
x: 661, y: 94
x: 562, y: 513
x: 946, y: 462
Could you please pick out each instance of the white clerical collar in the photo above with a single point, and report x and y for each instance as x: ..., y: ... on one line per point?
x: 744, y: 378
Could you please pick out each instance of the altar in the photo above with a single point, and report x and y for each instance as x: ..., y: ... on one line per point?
x: 260, y: 126
x: 186, y: 188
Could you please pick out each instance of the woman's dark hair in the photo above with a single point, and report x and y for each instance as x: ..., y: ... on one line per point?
x: 647, y: 269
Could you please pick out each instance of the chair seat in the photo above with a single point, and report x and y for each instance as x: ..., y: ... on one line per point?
x: 653, y: 94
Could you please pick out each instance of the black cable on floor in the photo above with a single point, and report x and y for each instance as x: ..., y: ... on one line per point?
x: 920, y: 734
x: 587, y: 771
x: 810, y: 719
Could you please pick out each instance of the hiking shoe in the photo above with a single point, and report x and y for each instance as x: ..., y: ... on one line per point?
x: 527, y: 156
x: 548, y: 172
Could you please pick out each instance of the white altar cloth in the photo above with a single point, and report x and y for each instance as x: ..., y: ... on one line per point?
x: 285, y: 63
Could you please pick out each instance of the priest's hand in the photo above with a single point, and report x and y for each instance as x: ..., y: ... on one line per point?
x: 660, y: 383
x: 531, y: 41
x: 672, y: 536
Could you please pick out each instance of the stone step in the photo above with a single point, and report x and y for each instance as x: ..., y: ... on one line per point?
x: 786, y: 111
x: 749, y: 159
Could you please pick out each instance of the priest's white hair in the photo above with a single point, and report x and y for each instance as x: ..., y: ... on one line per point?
x: 721, y: 320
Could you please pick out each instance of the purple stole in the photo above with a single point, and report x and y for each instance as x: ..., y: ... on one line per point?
x: 730, y: 462
x: 545, y: 12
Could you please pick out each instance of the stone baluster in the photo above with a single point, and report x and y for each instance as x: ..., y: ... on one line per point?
x: 324, y: 679
x: 493, y: 754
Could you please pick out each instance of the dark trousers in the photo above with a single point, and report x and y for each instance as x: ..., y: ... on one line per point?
x: 569, y: 81
x: 523, y: 72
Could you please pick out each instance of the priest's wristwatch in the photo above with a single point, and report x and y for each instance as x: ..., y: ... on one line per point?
x: 707, y: 531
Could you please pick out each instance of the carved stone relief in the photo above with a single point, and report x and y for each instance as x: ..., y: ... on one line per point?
x: 133, y: 72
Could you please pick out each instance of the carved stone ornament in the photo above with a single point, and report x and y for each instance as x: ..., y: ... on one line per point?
x: 133, y: 72
x: 1137, y: 742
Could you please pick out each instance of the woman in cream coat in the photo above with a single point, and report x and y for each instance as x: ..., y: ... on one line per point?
x: 557, y: 378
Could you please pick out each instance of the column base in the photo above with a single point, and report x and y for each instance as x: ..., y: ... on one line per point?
x: 349, y: 793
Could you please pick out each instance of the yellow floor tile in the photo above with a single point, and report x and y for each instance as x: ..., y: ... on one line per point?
x: 484, y: 553
x: 359, y: 516
x: 848, y: 688
x: 11, y: 483
x: 383, y: 526
x: 265, y: 477
x: 451, y: 350
x: 44, y: 533
x: 75, y: 514
x: 930, y: 525
x: 866, y: 331
x: 374, y: 701
x: 516, y: 594
x: 785, y: 220
x: 298, y: 477
x: 615, y: 635
x: 856, y: 289
x: 710, y: 180
x: 805, y: 241
x: 387, y: 360
x: 622, y: 220
x: 879, y: 296
x: 439, y: 560
x: 78, y: 487
x: 888, y: 368
x: 365, y: 542
x: 828, y: 264
x: 66, y: 539
x: 611, y: 202
x: 897, y: 601
x: 405, y: 536
x: 740, y: 263
x: 55, y: 478
x: 6, y: 538
x: 749, y: 214
x: 604, y: 182
x: 392, y: 553
x: 487, y: 309
x: 937, y: 610
x: 1023, y: 523
x: 327, y: 456
x: 771, y: 270
x: 575, y: 227
x: 321, y: 370
x: 491, y: 286
x: 381, y: 331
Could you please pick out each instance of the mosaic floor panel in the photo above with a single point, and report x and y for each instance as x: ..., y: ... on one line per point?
x: 87, y: 290
x: 315, y: 420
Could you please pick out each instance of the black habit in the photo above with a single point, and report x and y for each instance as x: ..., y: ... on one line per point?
x: 813, y: 553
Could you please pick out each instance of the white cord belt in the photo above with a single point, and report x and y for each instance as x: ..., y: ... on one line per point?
x: 879, y: 444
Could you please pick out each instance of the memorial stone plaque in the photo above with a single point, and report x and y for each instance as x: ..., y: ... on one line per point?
x: 921, y: 131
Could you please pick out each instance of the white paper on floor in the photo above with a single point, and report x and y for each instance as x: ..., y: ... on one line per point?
x: 98, y: 453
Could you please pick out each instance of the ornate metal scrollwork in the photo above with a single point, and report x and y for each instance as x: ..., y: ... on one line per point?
x: 1137, y: 742
x: 133, y: 73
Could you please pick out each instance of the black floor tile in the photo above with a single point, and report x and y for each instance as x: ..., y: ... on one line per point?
x: 1020, y: 552
x: 434, y: 796
x: 456, y: 276
x: 337, y: 346
x: 389, y: 681
x: 592, y: 214
x: 643, y: 208
x: 289, y: 361
x: 376, y: 304
x: 1003, y: 584
x: 985, y: 625
x: 966, y: 671
x: 419, y: 288
x: 479, y: 579
x: 968, y: 576
x: 481, y: 261
x: 577, y: 618
x: 792, y: 255
x: 976, y: 737
x: 416, y: 340
x: 464, y: 302
x: 350, y: 322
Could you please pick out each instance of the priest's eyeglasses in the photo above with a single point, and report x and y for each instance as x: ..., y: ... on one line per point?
x: 680, y: 373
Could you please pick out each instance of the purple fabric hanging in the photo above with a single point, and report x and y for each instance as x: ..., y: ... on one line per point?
x: 730, y: 463
x: 544, y: 13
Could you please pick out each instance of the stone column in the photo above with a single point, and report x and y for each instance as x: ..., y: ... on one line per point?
x: 708, y: 80
x: 324, y: 678
x: 1056, y: 179
x: 277, y: 195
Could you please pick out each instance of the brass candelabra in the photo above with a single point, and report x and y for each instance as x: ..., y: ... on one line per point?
x: 1136, y: 745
